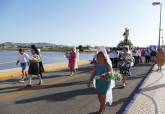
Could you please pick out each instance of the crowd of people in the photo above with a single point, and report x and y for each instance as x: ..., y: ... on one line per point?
x: 35, y: 64
x: 104, y: 62
x: 140, y: 55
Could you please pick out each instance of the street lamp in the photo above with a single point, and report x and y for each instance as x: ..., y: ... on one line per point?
x: 160, y: 4
x: 162, y: 37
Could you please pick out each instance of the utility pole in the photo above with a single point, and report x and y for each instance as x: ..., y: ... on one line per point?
x: 160, y: 4
x: 162, y: 37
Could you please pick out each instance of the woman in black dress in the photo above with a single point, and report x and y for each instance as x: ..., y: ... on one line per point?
x: 34, y: 67
x: 41, y: 68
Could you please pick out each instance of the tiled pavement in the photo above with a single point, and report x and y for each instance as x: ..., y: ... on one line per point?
x: 151, y: 96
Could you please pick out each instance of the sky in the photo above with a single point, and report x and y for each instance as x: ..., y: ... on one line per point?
x: 85, y: 22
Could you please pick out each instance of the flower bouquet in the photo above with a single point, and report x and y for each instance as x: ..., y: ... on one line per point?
x: 34, y: 59
x: 114, y: 76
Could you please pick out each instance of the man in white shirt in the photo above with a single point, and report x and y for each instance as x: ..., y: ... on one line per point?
x: 23, y: 60
x: 112, y: 56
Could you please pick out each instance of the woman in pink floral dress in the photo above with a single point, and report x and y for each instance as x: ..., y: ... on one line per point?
x: 72, y: 61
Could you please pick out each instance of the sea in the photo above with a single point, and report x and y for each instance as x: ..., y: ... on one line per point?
x: 8, y: 58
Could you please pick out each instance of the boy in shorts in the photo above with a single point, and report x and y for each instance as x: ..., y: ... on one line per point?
x: 23, y: 60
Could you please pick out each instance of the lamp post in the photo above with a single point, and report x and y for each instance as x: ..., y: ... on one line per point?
x: 160, y: 4
x: 162, y: 37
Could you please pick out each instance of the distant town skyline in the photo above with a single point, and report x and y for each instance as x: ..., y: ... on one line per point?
x: 80, y: 22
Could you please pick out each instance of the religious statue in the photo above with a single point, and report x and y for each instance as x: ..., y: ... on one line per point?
x: 126, y: 34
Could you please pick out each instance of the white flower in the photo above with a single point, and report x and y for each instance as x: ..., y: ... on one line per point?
x: 114, y: 76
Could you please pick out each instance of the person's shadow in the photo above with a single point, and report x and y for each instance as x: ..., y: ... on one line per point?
x: 59, y: 97
x: 94, y: 112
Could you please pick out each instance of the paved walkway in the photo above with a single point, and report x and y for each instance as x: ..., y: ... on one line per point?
x: 151, y: 96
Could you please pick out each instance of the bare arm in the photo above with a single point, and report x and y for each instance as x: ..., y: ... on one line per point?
x: 110, y: 68
x: 17, y: 62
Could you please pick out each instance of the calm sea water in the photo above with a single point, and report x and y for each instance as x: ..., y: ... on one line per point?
x: 8, y: 58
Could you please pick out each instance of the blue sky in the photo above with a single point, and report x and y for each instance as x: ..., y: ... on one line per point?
x: 74, y: 22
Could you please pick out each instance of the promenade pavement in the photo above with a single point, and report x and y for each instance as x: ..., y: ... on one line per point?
x: 150, y: 98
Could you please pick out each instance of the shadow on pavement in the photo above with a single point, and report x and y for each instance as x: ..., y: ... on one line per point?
x: 118, y: 87
x: 10, y: 81
x: 37, y: 87
x: 6, y: 88
x: 57, y: 85
x: 63, y: 96
x: 136, y: 77
x: 12, y: 89
x: 67, y: 73
x: 153, y: 88
x: 122, y: 100
x: 93, y: 112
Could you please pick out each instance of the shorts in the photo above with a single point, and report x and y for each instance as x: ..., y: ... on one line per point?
x: 23, y: 66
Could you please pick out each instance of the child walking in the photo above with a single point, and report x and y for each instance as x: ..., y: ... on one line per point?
x: 23, y: 60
